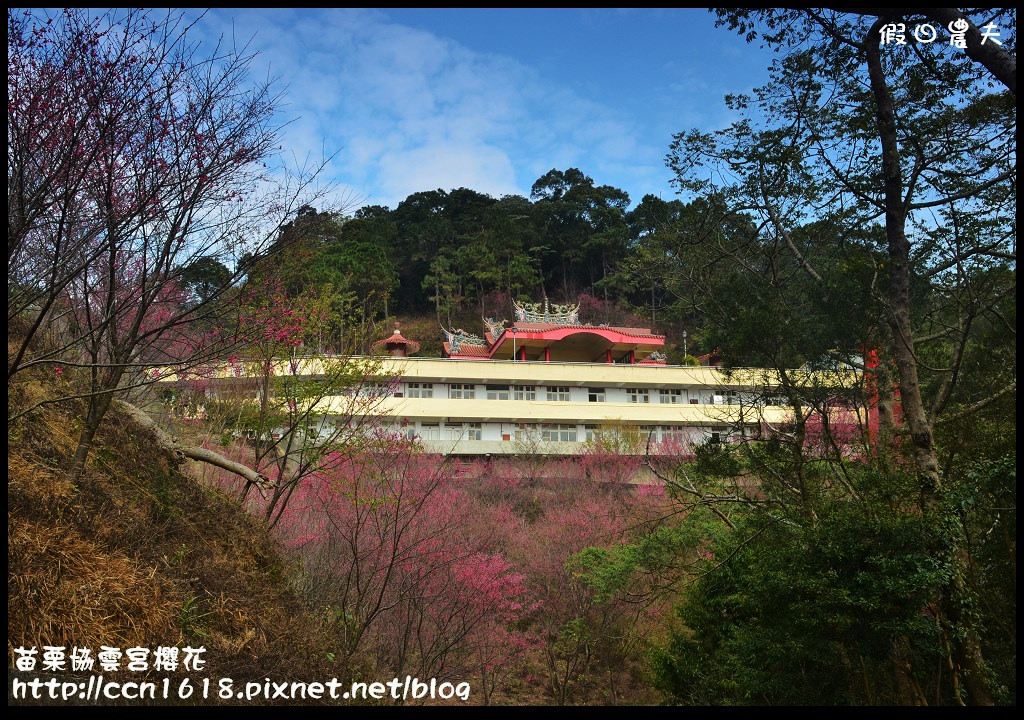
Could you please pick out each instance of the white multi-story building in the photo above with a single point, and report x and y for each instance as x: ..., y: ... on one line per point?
x: 545, y: 384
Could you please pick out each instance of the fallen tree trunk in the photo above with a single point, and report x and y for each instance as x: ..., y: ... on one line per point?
x: 172, y: 445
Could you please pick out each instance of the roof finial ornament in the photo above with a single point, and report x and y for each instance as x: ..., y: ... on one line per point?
x: 546, y: 313
x: 396, y: 345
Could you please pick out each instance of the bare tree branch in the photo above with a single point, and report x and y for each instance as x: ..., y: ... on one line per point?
x: 172, y: 445
x: 981, y: 404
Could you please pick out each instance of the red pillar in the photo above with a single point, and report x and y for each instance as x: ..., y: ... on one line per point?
x: 522, y: 353
x: 871, y: 383
x: 547, y: 354
x: 608, y: 356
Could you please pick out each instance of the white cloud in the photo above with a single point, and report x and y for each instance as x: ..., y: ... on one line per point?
x: 412, y: 111
x: 446, y: 166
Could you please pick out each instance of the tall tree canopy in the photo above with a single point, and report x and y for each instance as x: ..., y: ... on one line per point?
x: 134, y: 160
x: 866, y: 200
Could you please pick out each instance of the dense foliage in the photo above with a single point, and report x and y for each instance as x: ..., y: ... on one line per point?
x: 461, y: 256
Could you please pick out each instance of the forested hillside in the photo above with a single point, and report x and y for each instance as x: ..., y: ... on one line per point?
x: 461, y: 256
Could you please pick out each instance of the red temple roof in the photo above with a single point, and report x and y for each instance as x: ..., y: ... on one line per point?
x: 396, y: 341
x: 560, y: 342
x: 550, y: 327
x: 480, y: 351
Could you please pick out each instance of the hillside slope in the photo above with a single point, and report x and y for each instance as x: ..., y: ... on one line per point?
x: 138, y: 554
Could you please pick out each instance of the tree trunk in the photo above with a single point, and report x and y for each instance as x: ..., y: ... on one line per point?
x: 98, y: 406
x: 886, y: 392
x: 926, y: 462
x: 172, y: 445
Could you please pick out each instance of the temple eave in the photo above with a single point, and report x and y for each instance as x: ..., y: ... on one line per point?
x: 549, y: 333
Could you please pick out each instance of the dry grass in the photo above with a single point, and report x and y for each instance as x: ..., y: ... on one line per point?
x: 136, y: 553
x: 66, y: 590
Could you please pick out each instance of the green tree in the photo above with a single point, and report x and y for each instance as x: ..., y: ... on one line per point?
x: 205, y: 277
x: 810, y: 614
x: 423, y: 232
x: 584, y: 226
x: 356, y: 260
x: 847, y: 221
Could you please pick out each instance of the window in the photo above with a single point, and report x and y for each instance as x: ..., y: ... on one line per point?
x: 524, y: 392
x: 558, y: 394
x: 497, y: 392
x: 716, y: 437
x: 461, y: 392
x: 673, y: 434
x: 430, y: 431
x: 595, y: 394
x: 375, y: 389
x: 694, y: 401
x: 725, y: 397
x: 638, y: 395
x: 463, y: 431
x: 421, y: 390
x: 558, y: 433
x: 671, y: 397
x: 368, y: 389
x: 526, y: 431
x: 590, y: 432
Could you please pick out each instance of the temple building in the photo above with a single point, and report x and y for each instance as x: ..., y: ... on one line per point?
x: 545, y: 383
x: 556, y: 335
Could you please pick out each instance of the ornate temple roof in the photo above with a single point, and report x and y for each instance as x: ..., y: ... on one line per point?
x: 460, y: 342
x: 395, y: 342
x: 546, y: 327
x: 547, y: 314
x: 554, y: 332
x: 476, y: 351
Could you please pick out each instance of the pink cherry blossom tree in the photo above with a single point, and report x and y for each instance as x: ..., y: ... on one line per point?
x: 131, y: 155
x: 292, y: 413
x: 400, y: 577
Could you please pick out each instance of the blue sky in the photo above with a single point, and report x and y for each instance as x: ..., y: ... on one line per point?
x: 420, y: 99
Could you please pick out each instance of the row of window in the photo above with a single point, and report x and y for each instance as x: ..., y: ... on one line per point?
x: 675, y: 397
x: 554, y: 432
x: 370, y: 389
x: 467, y: 431
x: 458, y: 391
x: 570, y: 433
